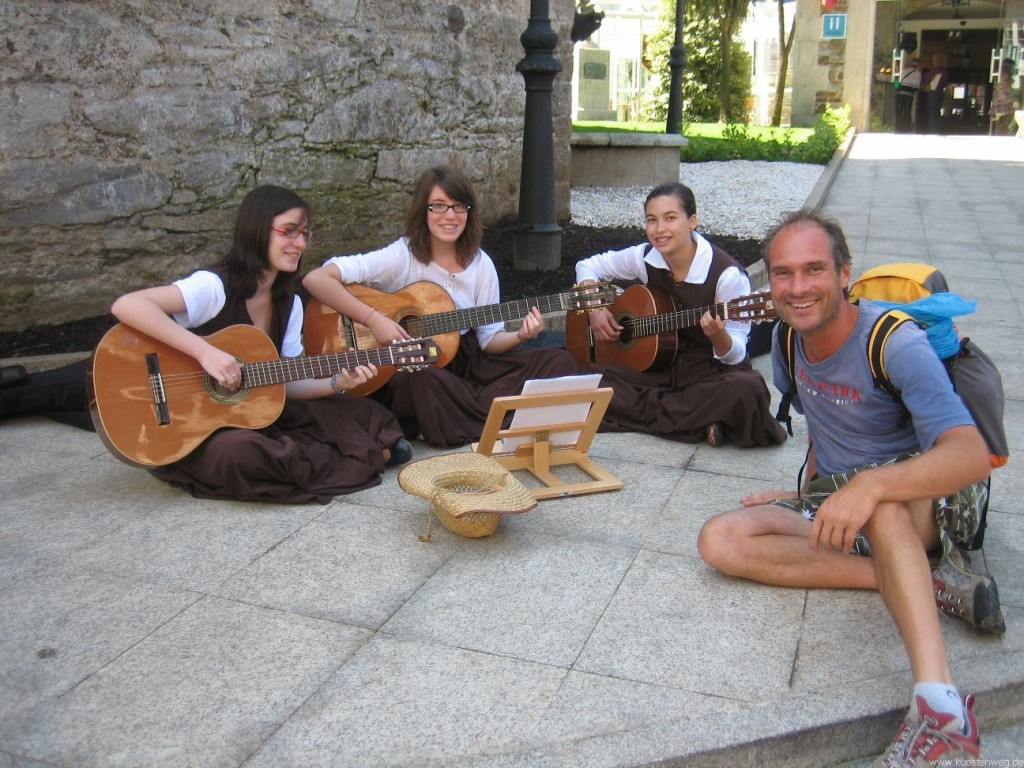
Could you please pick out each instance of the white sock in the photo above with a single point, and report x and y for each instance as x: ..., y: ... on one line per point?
x: 942, y: 698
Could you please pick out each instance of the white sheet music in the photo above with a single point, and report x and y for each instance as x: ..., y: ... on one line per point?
x: 552, y: 414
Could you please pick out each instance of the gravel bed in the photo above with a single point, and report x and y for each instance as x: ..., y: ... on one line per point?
x: 737, y: 197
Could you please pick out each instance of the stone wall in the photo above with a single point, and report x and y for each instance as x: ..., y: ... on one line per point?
x: 130, y: 129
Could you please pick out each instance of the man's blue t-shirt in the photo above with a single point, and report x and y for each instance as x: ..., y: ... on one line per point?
x: 853, y: 423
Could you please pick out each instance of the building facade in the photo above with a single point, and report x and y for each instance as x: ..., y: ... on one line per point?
x: 844, y: 53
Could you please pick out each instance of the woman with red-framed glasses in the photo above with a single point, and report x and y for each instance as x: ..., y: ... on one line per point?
x: 322, y: 445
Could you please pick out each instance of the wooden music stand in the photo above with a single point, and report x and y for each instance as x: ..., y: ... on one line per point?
x: 536, y: 453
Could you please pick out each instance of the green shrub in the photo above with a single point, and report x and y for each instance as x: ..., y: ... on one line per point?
x: 829, y: 130
x: 740, y: 142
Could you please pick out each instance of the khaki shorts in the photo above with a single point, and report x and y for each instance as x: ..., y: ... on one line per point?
x: 957, y: 515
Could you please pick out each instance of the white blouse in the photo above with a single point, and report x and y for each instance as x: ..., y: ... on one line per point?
x: 393, y: 267
x: 204, y: 299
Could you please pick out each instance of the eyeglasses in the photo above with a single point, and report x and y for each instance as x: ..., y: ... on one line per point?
x: 294, y: 232
x: 442, y: 208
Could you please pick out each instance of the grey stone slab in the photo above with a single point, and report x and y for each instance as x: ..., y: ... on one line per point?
x: 402, y: 702
x: 1004, y: 558
x: 617, y: 518
x: 676, y: 622
x: 206, y: 689
x: 8, y: 760
x: 61, y: 441
x: 65, y: 623
x: 76, y: 505
x: 591, y: 705
x: 389, y: 494
x: 769, y: 466
x: 698, y: 497
x: 858, y: 622
x: 532, y: 597
x: 355, y: 565
x: 197, y: 544
x: 609, y: 449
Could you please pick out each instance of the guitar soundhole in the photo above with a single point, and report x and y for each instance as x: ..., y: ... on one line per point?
x: 626, y: 337
x: 413, y: 325
x: 221, y: 394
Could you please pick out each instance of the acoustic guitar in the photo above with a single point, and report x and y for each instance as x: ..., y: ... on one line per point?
x: 425, y: 309
x: 153, y: 405
x: 649, y: 323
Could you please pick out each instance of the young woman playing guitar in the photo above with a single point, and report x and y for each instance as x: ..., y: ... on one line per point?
x: 321, y: 445
x: 705, y: 388
x: 441, y: 246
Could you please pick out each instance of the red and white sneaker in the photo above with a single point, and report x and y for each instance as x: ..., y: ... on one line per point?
x: 926, y: 737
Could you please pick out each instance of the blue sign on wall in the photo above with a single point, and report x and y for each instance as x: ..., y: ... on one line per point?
x: 833, y: 26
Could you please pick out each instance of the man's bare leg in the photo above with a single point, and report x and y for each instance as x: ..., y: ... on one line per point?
x: 769, y: 544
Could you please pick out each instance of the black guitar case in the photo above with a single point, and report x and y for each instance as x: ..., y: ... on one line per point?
x: 59, y: 393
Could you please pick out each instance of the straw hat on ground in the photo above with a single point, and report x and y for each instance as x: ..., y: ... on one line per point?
x: 469, y: 491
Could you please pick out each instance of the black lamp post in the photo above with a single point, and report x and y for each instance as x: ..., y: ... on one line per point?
x: 676, y: 64
x: 537, y: 242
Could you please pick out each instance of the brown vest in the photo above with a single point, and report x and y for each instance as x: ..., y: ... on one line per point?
x: 692, y: 295
x: 235, y: 313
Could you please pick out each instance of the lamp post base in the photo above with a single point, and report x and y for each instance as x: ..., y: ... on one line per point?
x: 537, y: 247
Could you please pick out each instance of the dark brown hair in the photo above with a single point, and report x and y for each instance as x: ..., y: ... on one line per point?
x: 680, y: 192
x: 248, y: 257
x: 458, y: 187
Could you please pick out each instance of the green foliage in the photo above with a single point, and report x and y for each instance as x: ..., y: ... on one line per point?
x: 829, y: 130
x: 702, y: 75
x: 743, y: 142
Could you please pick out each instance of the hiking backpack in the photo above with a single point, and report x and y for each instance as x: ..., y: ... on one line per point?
x: 973, y: 374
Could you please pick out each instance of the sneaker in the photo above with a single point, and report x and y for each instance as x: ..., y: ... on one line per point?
x: 927, y: 737
x: 966, y: 595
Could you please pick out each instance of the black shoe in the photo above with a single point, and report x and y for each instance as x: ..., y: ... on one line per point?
x: 12, y: 374
x: 401, y: 453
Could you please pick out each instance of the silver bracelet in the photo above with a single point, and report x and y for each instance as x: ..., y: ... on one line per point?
x: 334, y: 385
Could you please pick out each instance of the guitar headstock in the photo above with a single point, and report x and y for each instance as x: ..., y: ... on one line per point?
x: 592, y: 296
x: 415, y: 354
x: 752, y: 308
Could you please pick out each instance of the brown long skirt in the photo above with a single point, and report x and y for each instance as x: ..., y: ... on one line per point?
x: 449, y: 406
x: 316, y: 450
x: 681, y: 403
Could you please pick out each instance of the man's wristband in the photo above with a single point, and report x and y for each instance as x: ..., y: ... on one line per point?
x: 334, y: 385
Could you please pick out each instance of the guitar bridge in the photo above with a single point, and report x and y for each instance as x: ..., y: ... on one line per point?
x: 156, y: 389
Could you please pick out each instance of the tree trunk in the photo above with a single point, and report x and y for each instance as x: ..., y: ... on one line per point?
x: 725, y: 87
x: 785, y: 46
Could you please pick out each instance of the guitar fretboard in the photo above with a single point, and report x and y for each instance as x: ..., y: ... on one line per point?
x: 263, y: 373
x: 671, y: 321
x: 472, y: 317
x: 753, y: 308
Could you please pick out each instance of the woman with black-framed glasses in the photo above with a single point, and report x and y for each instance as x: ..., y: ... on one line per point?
x: 321, y: 445
x: 441, y: 246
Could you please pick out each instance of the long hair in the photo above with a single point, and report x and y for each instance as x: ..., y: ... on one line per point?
x: 458, y: 187
x: 807, y: 217
x: 248, y: 257
x: 680, y: 192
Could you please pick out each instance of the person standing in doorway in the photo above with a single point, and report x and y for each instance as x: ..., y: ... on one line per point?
x: 938, y: 79
x: 906, y: 96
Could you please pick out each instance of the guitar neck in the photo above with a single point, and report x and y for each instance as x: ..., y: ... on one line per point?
x: 473, y: 317
x: 652, y: 325
x: 283, y: 370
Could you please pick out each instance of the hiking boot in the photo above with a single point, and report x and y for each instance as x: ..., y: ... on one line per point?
x: 966, y: 595
x: 926, y: 737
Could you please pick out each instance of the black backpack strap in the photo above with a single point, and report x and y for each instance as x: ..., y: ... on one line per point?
x: 787, y: 342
